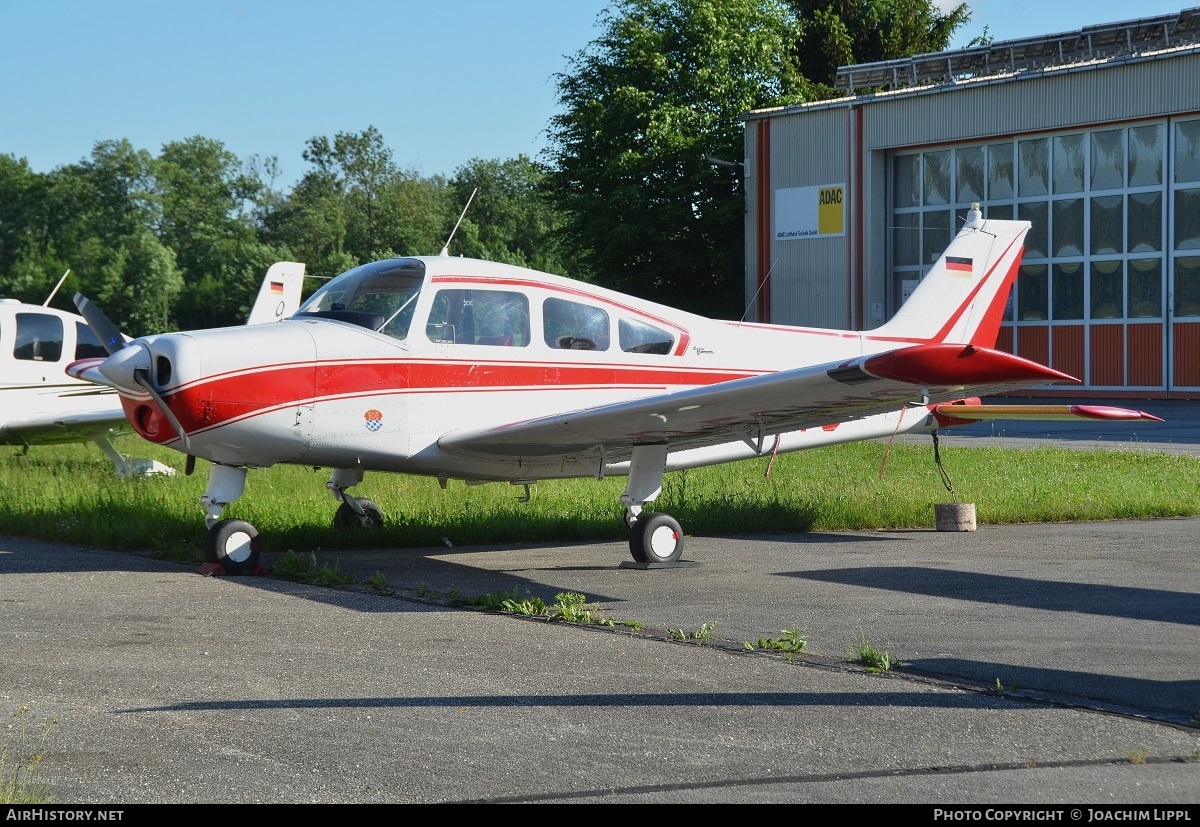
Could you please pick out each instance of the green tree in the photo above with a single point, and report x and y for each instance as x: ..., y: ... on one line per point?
x: 660, y: 89
x: 846, y: 32
x: 209, y: 202
x: 90, y: 209
x: 137, y: 283
x: 355, y: 205
x: 116, y: 190
x: 510, y: 216
x: 416, y: 215
x: 335, y: 208
x: 202, y: 193
x: 29, y: 268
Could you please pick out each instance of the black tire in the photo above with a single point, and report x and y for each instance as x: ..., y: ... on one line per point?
x: 656, y: 538
x: 345, y: 518
x: 233, y: 545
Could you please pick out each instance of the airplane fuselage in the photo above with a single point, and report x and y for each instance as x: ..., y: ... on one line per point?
x: 473, y: 370
x: 319, y: 387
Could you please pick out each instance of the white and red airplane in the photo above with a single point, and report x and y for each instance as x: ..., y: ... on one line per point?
x: 462, y: 369
x: 41, y: 405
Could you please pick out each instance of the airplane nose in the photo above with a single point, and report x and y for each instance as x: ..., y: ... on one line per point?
x: 122, y: 365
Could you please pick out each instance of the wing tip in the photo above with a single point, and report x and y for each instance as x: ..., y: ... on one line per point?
x: 1110, y: 412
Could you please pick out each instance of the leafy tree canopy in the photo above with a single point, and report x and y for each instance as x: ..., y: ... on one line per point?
x: 660, y: 89
x: 846, y: 32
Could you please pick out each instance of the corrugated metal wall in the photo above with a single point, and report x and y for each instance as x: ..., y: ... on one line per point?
x: 808, y: 276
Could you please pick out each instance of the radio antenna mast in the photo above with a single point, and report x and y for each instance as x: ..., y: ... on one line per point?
x: 46, y: 303
x: 446, y: 249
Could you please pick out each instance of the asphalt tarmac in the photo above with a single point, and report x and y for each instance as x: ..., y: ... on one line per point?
x: 1047, y: 666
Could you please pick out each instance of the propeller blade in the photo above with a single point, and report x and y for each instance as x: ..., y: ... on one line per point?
x: 105, y: 330
x: 142, y: 377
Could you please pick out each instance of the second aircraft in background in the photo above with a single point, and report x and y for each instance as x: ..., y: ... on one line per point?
x: 41, y: 405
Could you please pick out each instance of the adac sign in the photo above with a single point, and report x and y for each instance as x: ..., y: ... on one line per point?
x: 810, y: 212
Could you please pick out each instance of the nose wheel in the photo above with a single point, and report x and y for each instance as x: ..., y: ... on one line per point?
x: 656, y: 538
x: 233, y: 545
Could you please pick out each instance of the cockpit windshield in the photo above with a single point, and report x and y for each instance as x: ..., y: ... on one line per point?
x: 379, y: 296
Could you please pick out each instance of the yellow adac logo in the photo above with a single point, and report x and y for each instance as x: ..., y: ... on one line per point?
x: 830, y: 214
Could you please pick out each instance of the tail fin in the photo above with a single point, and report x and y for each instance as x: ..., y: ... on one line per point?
x: 279, y: 295
x: 961, y: 299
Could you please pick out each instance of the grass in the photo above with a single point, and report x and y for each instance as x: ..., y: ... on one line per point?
x: 303, y: 568
x: 875, y: 659
x: 68, y: 493
x: 19, y: 762
x: 793, y: 642
x: 703, y: 635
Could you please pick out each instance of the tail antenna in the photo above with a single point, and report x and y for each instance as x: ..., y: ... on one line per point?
x: 446, y: 249
x: 754, y: 298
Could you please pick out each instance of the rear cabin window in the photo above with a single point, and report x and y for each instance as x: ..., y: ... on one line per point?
x: 86, y: 343
x: 493, y: 318
x: 39, y: 337
x: 639, y: 337
x: 573, y: 326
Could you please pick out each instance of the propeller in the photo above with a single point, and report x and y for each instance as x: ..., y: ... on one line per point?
x: 105, y: 330
x: 128, y: 367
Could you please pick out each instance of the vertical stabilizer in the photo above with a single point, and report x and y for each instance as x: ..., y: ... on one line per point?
x: 279, y: 295
x: 962, y: 297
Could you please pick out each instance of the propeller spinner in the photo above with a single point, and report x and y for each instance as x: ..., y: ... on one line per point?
x: 127, y: 367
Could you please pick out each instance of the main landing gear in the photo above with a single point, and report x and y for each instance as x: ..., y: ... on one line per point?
x: 232, y: 546
x: 655, y: 538
x: 353, y: 512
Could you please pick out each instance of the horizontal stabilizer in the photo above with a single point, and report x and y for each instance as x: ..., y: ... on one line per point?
x: 977, y: 413
x: 966, y: 365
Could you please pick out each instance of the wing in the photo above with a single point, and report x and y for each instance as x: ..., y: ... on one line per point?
x: 750, y: 409
x: 73, y: 427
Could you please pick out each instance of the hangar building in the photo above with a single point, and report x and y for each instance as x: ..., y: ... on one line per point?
x: 1093, y: 136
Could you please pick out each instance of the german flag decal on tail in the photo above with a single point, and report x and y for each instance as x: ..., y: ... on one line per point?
x: 958, y: 264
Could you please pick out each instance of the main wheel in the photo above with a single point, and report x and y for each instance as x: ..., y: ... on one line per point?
x: 345, y: 517
x: 656, y: 538
x: 233, y: 545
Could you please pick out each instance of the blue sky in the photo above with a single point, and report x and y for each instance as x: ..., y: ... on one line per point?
x: 444, y: 81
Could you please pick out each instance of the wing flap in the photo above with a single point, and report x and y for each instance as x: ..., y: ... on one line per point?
x: 751, y: 409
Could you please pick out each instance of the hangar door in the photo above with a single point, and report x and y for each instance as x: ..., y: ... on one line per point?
x: 1109, y: 286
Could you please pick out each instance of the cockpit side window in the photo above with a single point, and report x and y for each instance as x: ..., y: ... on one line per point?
x: 39, y: 337
x: 640, y: 337
x: 495, y: 318
x: 573, y: 326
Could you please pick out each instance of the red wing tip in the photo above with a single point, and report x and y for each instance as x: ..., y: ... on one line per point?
x: 80, y: 365
x: 1109, y: 412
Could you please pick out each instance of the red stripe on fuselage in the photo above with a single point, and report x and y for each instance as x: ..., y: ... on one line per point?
x: 219, y: 400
